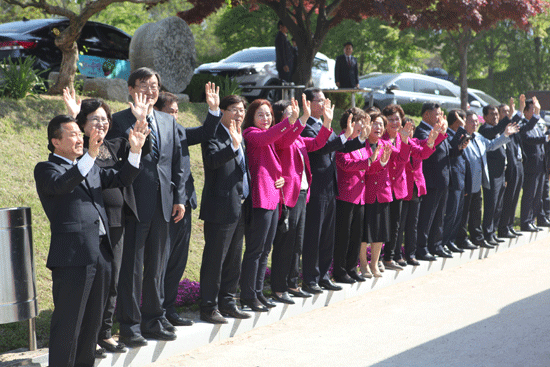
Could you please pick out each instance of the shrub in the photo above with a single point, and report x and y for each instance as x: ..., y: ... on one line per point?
x: 343, y: 100
x: 412, y: 109
x: 195, y: 89
x: 20, y: 79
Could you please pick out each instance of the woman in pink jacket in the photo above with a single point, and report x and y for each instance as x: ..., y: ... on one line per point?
x: 287, y: 246
x: 266, y: 175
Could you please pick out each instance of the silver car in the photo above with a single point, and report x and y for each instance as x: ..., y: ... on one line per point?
x: 255, y: 67
x: 403, y: 88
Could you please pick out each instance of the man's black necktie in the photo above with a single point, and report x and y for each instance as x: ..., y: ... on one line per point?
x: 154, y: 138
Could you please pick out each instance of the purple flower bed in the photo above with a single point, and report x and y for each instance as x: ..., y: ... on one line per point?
x: 188, y: 293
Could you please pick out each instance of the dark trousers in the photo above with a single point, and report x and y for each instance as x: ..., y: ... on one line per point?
x: 79, y: 296
x: 349, y: 230
x: 492, y: 206
x: 395, y: 223
x: 545, y: 206
x: 511, y: 198
x: 531, y: 200
x: 453, y: 216
x: 318, y: 239
x: 287, y: 248
x: 408, y: 228
x: 141, y: 273
x: 259, y: 234
x: 471, y: 219
x: 430, y: 223
x: 180, y: 234
x: 117, y: 238
x: 221, y: 264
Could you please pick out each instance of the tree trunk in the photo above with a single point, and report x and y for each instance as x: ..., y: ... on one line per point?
x: 464, y: 40
x: 302, y: 76
x: 67, y: 70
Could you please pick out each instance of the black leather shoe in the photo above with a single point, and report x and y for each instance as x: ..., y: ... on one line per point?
x: 112, y: 348
x: 100, y: 353
x: 133, y: 341
x: 167, y: 325
x: 535, y: 227
x: 329, y: 285
x: 254, y: 305
x: 443, y: 253
x: 177, y: 320
x: 467, y: 245
x: 300, y: 293
x: 505, y: 233
x: 401, y: 262
x: 484, y: 244
x: 234, y: 312
x: 427, y: 257
x: 517, y: 233
x: 454, y: 248
x: 412, y: 261
x: 529, y: 228
x: 283, y: 298
x: 160, y: 335
x: 213, y: 317
x: 345, y: 279
x: 498, y: 240
x: 357, y: 277
x: 543, y: 223
x: 266, y: 302
x: 313, y: 289
x: 491, y: 241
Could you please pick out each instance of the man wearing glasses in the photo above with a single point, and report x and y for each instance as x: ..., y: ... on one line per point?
x: 160, y: 197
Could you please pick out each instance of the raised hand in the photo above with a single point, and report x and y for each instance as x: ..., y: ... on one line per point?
x: 512, y: 106
x: 406, y: 132
x: 96, y: 139
x: 295, y: 111
x: 212, y: 96
x: 433, y: 135
x: 140, y: 107
x: 537, y: 105
x: 235, y: 133
x: 328, y: 114
x: 464, y: 144
x: 73, y: 105
x: 511, y: 129
x: 522, y: 103
x: 280, y: 183
x: 367, y: 127
x: 386, y: 153
x: 376, y: 153
x: 137, y: 135
x: 350, y: 128
x: 306, y: 106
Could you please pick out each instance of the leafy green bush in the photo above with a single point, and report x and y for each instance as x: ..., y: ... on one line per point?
x: 343, y: 100
x: 412, y: 109
x: 195, y: 89
x: 19, y: 78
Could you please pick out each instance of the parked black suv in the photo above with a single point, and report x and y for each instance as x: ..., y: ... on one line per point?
x: 36, y: 38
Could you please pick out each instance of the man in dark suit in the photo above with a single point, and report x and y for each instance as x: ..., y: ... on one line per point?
x: 534, y: 165
x: 513, y: 174
x: 346, y: 73
x: 180, y: 232
x: 226, y: 186
x: 496, y: 162
x: 80, y: 248
x: 321, y: 209
x: 437, y: 172
x: 284, y: 54
x: 160, y: 193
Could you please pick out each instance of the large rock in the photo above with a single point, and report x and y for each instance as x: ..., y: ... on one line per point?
x: 110, y: 89
x: 168, y: 47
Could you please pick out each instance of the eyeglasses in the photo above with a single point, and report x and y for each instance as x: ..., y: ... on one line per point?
x: 145, y: 88
x: 237, y: 110
x: 99, y: 120
x: 320, y: 101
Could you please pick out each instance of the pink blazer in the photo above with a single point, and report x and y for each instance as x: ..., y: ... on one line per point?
x: 378, y: 185
x: 263, y: 161
x: 352, y: 170
x: 292, y: 165
x: 398, y: 178
x: 413, y: 168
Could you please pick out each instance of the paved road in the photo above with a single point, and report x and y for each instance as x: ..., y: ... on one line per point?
x: 491, y: 312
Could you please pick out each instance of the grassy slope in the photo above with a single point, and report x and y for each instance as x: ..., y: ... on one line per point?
x: 23, y: 141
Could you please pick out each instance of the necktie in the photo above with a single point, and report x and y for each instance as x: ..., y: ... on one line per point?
x: 349, y: 60
x: 242, y: 165
x: 154, y: 138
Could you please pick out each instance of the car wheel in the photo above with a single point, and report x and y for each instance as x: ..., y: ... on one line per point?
x: 272, y: 95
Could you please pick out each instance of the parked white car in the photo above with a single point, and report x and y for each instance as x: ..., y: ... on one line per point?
x: 479, y: 99
x: 255, y: 67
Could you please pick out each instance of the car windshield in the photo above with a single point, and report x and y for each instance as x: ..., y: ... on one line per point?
x: 487, y: 98
x: 255, y: 55
x: 376, y: 80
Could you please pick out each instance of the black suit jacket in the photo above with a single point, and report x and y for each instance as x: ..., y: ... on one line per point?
x: 496, y: 159
x: 534, y: 159
x: 191, y: 136
x: 223, y: 180
x: 458, y: 166
x: 323, y: 167
x: 167, y: 173
x: 345, y: 74
x: 284, y: 53
x: 437, y: 167
x: 73, y: 204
